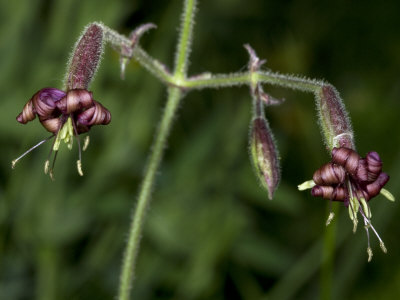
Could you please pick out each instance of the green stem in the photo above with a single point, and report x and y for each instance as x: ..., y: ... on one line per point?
x: 174, y: 97
x: 245, y: 78
x: 152, y: 65
x: 185, y: 39
x: 207, y: 80
x: 132, y: 248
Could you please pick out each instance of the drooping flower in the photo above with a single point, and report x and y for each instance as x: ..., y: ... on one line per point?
x: 353, y: 180
x: 71, y: 111
x: 66, y: 115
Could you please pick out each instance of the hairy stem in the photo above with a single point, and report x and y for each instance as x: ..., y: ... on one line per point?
x: 174, y: 97
x: 132, y: 248
x: 206, y: 80
x: 185, y: 39
x: 209, y: 80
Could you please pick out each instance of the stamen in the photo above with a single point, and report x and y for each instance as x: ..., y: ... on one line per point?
x: 388, y: 195
x: 46, y: 166
x: 353, y: 206
x: 86, y: 143
x: 79, y: 167
x: 331, y: 213
x: 47, y: 162
x: 79, y: 161
x: 51, y: 174
x: 366, y: 208
x: 383, y: 247
x: 14, y: 162
x: 369, y: 250
x: 330, y: 218
x: 64, y: 133
x: 370, y: 254
x: 306, y: 185
x: 381, y: 244
x: 77, y: 140
x: 353, y: 209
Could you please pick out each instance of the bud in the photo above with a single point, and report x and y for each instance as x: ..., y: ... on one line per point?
x: 334, y: 121
x: 85, y: 58
x: 264, y: 155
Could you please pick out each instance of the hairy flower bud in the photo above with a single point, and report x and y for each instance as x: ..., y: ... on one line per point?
x: 85, y: 59
x: 264, y: 155
x: 334, y: 121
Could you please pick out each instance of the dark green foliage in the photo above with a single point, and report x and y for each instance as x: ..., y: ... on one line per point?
x: 211, y: 232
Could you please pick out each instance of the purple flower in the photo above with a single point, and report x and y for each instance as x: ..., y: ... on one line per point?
x: 353, y: 180
x: 66, y: 115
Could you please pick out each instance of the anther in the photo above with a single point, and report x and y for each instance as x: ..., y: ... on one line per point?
x: 383, y: 247
x: 46, y: 166
x: 388, y: 195
x: 366, y: 209
x: 309, y: 184
x: 86, y: 143
x: 79, y: 167
x: 51, y: 174
x: 330, y: 218
x: 370, y: 254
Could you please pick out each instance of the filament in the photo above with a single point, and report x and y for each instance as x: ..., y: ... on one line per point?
x: 14, y: 162
x: 368, y: 221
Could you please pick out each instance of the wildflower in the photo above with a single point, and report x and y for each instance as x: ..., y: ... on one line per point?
x: 353, y: 180
x: 66, y: 115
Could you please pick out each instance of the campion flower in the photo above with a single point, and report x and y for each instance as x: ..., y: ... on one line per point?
x: 353, y: 180
x: 67, y: 114
x: 72, y: 111
x: 347, y: 178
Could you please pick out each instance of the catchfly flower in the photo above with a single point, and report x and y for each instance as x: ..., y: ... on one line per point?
x: 347, y: 178
x: 67, y: 114
x: 353, y: 180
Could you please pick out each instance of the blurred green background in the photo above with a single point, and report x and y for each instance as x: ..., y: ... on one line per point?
x: 211, y: 232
